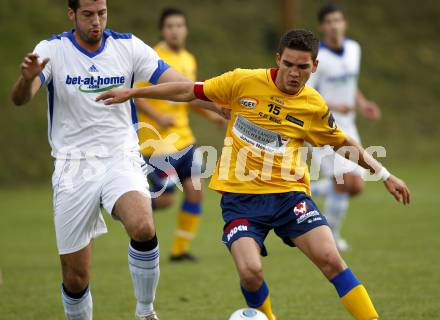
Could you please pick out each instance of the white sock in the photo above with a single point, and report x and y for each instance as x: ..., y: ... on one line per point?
x: 321, y: 187
x: 145, y: 272
x: 335, y: 209
x: 78, y: 309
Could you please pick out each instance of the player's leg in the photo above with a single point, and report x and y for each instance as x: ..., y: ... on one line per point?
x: 337, y: 202
x: 75, y: 292
x: 188, y: 221
x: 319, y: 246
x: 321, y: 171
x: 161, y: 186
x: 77, y: 221
x: 133, y: 209
x: 125, y: 195
x: 188, y: 166
x: 245, y: 239
x: 246, y: 254
x: 165, y: 200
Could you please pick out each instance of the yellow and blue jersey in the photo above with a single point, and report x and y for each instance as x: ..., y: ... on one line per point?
x: 184, y: 63
x: 262, y: 152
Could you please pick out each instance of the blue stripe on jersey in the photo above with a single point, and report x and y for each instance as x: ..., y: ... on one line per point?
x: 161, y: 68
x: 134, y: 117
x: 106, y: 34
x: 42, y: 79
x: 84, y: 51
x: 338, y: 52
x: 51, y: 90
x: 58, y: 36
x: 117, y: 35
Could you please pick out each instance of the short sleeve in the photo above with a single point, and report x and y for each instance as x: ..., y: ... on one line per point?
x: 45, y: 50
x: 147, y: 65
x: 218, y: 89
x: 323, y: 129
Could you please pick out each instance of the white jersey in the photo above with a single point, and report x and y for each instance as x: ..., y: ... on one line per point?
x: 78, y: 126
x: 336, y: 78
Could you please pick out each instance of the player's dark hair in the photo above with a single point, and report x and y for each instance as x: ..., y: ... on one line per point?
x: 299, y: 39
x: 327, y: 9
x: 73, y: 4
x: 170, y: 11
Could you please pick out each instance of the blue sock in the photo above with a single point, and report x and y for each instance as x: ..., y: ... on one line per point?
x: 344, y: 282
x: 256, y: 299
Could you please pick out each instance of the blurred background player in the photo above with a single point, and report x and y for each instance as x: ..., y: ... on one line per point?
x: 170, y: 118
x: 336, y: 79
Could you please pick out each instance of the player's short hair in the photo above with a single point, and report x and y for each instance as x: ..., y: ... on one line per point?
x: 327, y: 9
x: 73, y: 4
x: 170, y: 11
x: 299, y: 39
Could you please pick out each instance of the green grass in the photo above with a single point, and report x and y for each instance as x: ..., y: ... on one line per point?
x: 395, y: 253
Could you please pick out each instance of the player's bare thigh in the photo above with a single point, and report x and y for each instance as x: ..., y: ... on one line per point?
x: 353, y: 184
x: 246, y: 254
x: 319, y: 246
x: 133, y: 209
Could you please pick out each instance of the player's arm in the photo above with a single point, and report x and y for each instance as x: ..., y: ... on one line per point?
x: 29, y: 82
x: 175, y: 91
x: 369, y: 109
x: 394, y: 185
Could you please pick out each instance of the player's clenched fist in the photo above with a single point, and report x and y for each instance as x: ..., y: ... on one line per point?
x: 32, y: 66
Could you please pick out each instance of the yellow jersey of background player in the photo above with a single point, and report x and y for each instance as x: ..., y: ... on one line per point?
x: 172, y: 116
x: 167, y: 141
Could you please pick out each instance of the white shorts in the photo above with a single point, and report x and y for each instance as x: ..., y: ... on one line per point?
x: 82, y: 187
x: 331, y: 164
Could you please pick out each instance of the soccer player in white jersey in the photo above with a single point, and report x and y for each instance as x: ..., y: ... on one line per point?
x: 97, y: 163
x: 336, y: 79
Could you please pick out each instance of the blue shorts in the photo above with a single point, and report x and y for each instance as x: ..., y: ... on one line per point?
x: 164, y: 170
x: 289, y: 214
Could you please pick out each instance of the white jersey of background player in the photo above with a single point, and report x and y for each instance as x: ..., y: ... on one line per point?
x: 336, y: 79
x: 96, y: 148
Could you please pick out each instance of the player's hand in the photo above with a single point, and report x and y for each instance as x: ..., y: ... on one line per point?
x: 226, y: 113
x: 166, y: 121
x: 398, y: 189
x: 341, y: 108
x: 32, y: 66
x: 370, y: 110
x: 115, y: 96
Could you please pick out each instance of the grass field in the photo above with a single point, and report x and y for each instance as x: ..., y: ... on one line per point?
x: 396, y: 252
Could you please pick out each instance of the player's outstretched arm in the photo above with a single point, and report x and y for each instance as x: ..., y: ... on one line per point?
x: 394, y: 185
x: 28, y: 84
x: 175, y: 91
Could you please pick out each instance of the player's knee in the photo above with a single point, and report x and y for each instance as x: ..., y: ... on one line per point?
x: 194, y: 196
x: 76, y: 280
x: 331, y: 264
x: 251, y: 276
x: 143, y: 230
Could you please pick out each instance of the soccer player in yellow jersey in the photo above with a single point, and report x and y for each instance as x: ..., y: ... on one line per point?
x: 261, y: 173
x: 169, y: 159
